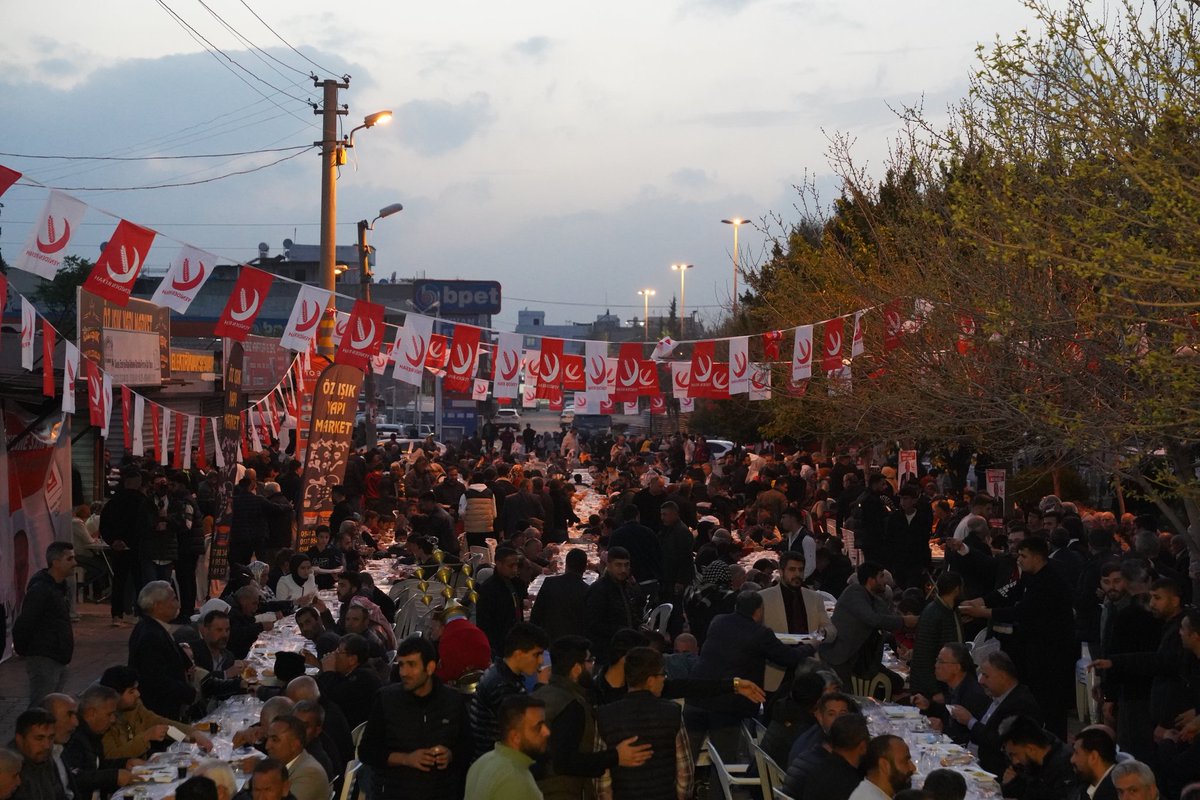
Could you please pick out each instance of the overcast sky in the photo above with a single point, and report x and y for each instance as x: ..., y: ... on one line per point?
x: 571, y: 151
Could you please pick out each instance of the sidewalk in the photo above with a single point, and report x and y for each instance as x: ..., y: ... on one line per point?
x: 98, y: 646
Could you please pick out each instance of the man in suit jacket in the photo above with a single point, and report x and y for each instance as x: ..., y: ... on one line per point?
x: 1010, y: 698
x: 163, y: 666
x: 285, y: 742
x: 790, y: 608
x: 1093, y: 756
x: 861, y: 613
x: 558, y: 609
x: 954, y: 668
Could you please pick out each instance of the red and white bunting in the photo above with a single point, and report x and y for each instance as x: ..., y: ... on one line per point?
x: 164, y: 449
x: 739, y: 365
x: 460, y: 370
x: 770, y: 342
x: 532, y: 363
x: 648, y: 378
x: 687, y: 405
x: 139, y: 422
x: 252, y: 425
x: 573, y: 377
x: 760, y: 381
x: 857, y: 346
x: 629, y: 372
x: 479, y: 391
x: 117, y: 269
x: 802, y: 353
x: 244, y: 304
x: 893, y: 326
x: 508, y: 366
x: 595, y: 355
x: 583, y: 404
x: 108, y: 405
x: 177, y: 447
x: 7, y: 178
x: 556, y: 401
x: 46, y: 246
x: 607, y: 406
x: 155, y: 432
x: 413, y: 346
x: 70, y: 374
x: 610, y: 376
x: 188, y: 438
x: 305, y: 319
x: 529, y: 396
x: 701, y: 379
x: 550, y: 365
x: 363, y: 338
x: 127, y: 416
x: 662, y: 348
x: 189, y: 271
x: 218, y: 455
x: 47, y: 358
x: 834, y: 335
x: 341, y: 321
x: 95, y: 394
x: 681, y: 378
x: 28, y: 326
x: 658, y: 404
x: 630, y: 407
x: 720, y: 387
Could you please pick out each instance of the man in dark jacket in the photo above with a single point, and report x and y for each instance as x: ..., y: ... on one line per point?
x: 872, y: 519
x: 83, y: 755
x: 127, y: 520
x: 612, y: 603
x: 645, y: 552
x: 521, y: 657
x: 418, y: 737
x: 938, y: 625
x: 738, y: 645
x: 501, y: 603
x: 643, y: 713
x: 831, y: 773
x: 280, y: 516
x: 42, y: 775
x: 679, y: 570
x: 954, y: 669
x: 42, y: 633
x: 559, y: 607
x: 347, y: 681
x: 1010, y: 698
x: 1040, y: 761
x: 906, y: 538
x: 861, y: 614
x: 248, y: 524
x: 164, y: 668
x: 183, y: 522
x: 520, y: 508
x: 972, y: 558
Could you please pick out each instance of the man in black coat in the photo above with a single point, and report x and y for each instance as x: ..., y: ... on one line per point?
x: 1094, y: 755
x: 872, y: 519
x: 347, y: 681
x: 645, y: 552
x: 248, y: 524
x: 1041, y: 762
x: 972, y: 558
x: 559, y: 607
x: 501, y: 603
x: 42, y: 633
x: 831, y: 773
x: 127, y: 520
x: 83, y: 755
x: 906, y: 539
x: 164, y: 668
x: 612, y: 603
x: 955, y: 669
x: 1010, y: 698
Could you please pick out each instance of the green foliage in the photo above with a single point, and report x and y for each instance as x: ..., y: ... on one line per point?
x: 57, y: 298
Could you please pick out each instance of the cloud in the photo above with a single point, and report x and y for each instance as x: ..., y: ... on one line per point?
x: 691, y: 178
x: 535, y: 47
x: 435, y: 127
x: 716, y: 6
x: 760, y: 118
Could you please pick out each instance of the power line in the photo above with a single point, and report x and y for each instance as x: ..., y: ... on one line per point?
x: 159, y: 158
x: 286, y: 42
x: 253, y: 47
x: 168, y: 185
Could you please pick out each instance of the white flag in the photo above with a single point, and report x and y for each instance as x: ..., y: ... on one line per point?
x: 630, y: 406
x: 341, y: 321
x: 218, y: 455
x: 413, y: 346
x: 581, y: 404
x: 70, y: 373
x: 760, y: 381
x: 508, y: 366
x: 139, y: 420
x: 533, y: 361
x: 681, y: 376
x: 189, y: 271
x: 687, y: 405
x: 164, y: 449
x: 107, y: 405
x: 596, y: 365
x: 856, y: 343
x: 663, y: 348
x: 594, y: 399
x: 305, y: 318
x: 802, y: 354
x: 739, y: 365
x: 255, y: 442
x: 187, y: 442
x: 28, y: 326
x: 479, y: 391
x: 47, y: 243
x: 529, y: 397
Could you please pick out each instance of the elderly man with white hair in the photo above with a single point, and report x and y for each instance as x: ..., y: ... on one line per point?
x: 164, y: 667
x: 219, y: 773
x: 1133, y: 780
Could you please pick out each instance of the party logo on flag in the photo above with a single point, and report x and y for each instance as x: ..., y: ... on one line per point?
x: 244, y: 305
x: 463, y: 353
x: 834, y: 329
x: 96, y: 414
x: 648, y: 378
x: 363, y: 337
x: 412, y: 343
x: 629, y: 371
x: 893, y: 326
x: 595, y: 356
x: 703, y: 361
x: 681, y: 379
x: 739, y: 365
x: 550, y: 366
x: 305, y: 319
x: 573, y: 380
x: 439, y: 352
x: 185, y: 278
x: 802, y: 352
x: 507, y: 365
x: 117, y: 268
x: 770, y: 342
x: 44, y: 250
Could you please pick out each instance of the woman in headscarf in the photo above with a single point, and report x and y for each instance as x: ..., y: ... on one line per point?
x: 713, y: 596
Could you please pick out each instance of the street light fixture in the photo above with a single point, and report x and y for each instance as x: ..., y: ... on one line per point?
x: 364, y: 291
x: 682, y: 270
x: 646, y: 295
x: 736, y: 222
x: 333, y: 151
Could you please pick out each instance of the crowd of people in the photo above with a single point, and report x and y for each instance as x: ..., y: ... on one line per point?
x: 701, y: 564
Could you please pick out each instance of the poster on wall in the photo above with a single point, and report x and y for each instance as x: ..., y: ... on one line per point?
x: 104, y: 338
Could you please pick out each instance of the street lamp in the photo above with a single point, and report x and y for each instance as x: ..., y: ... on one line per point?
x: 736, y: 222
x: 333, y: 151
x: 646, y: 295
x: 682, y: 270
x: 364, y: 291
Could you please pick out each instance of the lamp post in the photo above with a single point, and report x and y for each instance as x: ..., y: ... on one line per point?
x: 682, y: 270
x: 736, y: 222
x: 333, y: 154
x: 646, y: 295
x: 365, y: 276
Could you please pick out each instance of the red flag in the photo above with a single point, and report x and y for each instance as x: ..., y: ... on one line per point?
x: 439, y: 352
x: 607, y: 406
x: 177, y: 454
x: 648, y: 378
x: 629, y: 368
x: 573, y: 374
x: 463, y: 351
x: 363, y: 336
x: 7, y: 178
x: 47, y: 358
x: 201, y: 457
x: 154, y: 431
x: 966, y: 329
x: 770, y: 341
x: 834, y: 329
x: 244, y: 304
x: 550, y: 369
x: 892, y: 326
x: 701, y: 378
x: 556, y: 401
x: 126, y: 416
x: 720, y: 387
x: 117, y: 268
x: 658, y: 404
x: 95, y: 383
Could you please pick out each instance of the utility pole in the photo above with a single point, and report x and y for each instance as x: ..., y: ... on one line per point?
x: 365, y: 277
x: 332, y: 156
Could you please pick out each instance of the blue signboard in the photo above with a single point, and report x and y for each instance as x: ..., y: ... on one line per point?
x: 452, y: 298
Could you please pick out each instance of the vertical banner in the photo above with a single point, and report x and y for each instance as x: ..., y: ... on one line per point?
x: 47, y: 358
x: 658, y: 404
x: 364, y: 335
x: 164, y: 452
x: 480, y: 390
x: 413, y: 346
x: 186, y: 276
x: 46, y: 246
x: 139, y: 422
x: 156, y: 431
x: 720, y: 387
x: 996, y: 480
x: 108, y: 405
x: 463, y: 353
x: 648, y: 378
x: 834, y: 330
x: 573, y: 380
x: 508, y: 366
x: 681, y: 377
x: 95, y: 395
x: 907, y: 463
x: 550, y: 368
x: 802, y: 352
x: 739, y: 365
x: 893, y: 326
x: 629, y: 372
x: 187, y: 444
x: 177, y: 452
x: 335, y: 403
x: 700, y: 379
x: 301, y: 330
x: 28, y: 324
x: 595, y: 355
x: 226, y: 455
x: 687, y: 405
x: 70, y: 373
x: 630, y: 407
x: 127, y: 416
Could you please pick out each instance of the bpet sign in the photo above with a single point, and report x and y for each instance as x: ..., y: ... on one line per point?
x: 456, y: 298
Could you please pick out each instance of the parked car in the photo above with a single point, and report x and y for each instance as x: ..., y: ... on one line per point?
x: 410, y: 445
x: 507, y: 417
x: 719, y: 447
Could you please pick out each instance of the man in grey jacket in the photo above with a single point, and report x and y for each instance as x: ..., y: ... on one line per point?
x: 862, y: 612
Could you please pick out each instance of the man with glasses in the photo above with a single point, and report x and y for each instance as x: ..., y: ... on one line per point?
x: 955, y: 669
x: 347, y: 680
x: 667, y: 774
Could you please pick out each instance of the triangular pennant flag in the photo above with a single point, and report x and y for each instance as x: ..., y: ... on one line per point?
x: 7, y: 178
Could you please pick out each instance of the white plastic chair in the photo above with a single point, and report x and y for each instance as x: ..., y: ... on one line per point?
x: 769, y: 773
x: 406, y: 618
x: 729, y: 775
x: 350, y: 780
x: 659, y: 617
x: 826, y: 596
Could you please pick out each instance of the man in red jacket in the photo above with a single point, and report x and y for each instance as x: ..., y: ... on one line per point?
x: 462, y: 646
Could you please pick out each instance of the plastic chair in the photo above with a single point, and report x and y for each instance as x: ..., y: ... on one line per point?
x: 729, y: 775
x: 658, y: 618
x: 350, y: 779
x: 866, y: 687
x: 769, y: 773
x: 406, y: 618
x: 468, y: 681
x: 826, y: 596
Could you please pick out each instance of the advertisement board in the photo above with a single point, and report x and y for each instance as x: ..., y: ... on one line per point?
x: 456, y: 298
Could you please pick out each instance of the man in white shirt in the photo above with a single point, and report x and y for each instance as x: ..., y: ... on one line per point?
x: 889, y: 769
